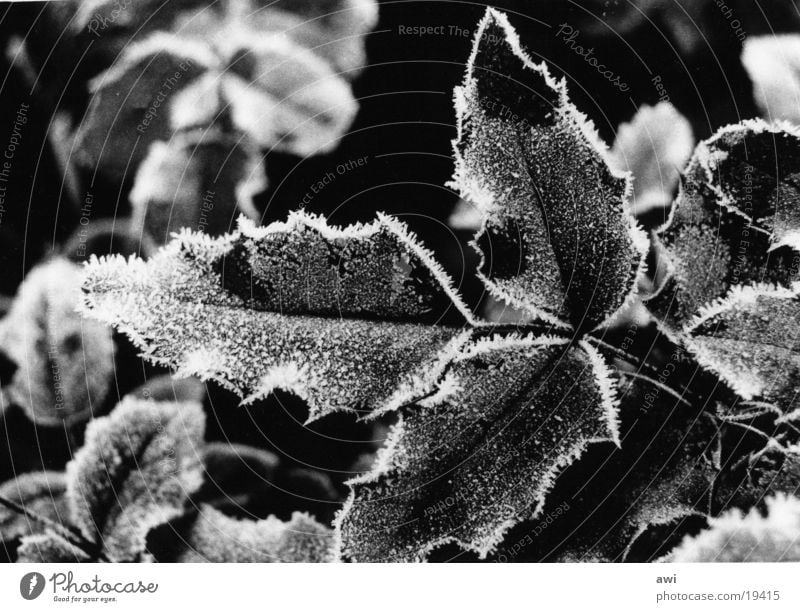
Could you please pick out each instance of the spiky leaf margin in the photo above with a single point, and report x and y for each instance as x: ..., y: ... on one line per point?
x: 735, y: 221
x: 558, y: 239
x: 334, y: 315
x: 749, y: 339
x: 480, y: 455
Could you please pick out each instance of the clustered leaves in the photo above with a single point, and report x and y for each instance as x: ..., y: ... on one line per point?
x: 734, y: 221
x: 362, y: 318
x: 205, y: 88
x: 464, y: 465
x: 493, y: 424
x: 137, y: 470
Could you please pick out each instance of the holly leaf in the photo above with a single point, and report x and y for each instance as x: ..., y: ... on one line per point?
x: 654, y: 147
x: 216, y: 538
x: 480, y: 455
x: 348, y: 319
x: 735, y: 221
x: 197, y: 180
x: 772, y: 62
x: 135, y: 471
x: 747, y: 339
x: 632, y: 501
x: 557, y: 239
x: 65, y: 364
x: 751, y: 537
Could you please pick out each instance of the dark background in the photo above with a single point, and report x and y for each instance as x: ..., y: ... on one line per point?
x: 405, y: 127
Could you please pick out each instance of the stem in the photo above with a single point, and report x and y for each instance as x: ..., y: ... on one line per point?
x: 661, y: 386
x: 755, y: 431
x: 633, y: 360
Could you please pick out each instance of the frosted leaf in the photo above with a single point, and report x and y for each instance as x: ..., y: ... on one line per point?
x: 129, y: 108
x: 736, y: 220
x: 65, y: 363
x: 200, y: 181
x: 345, y: 318
x: 654, y: 147
x: 773, y: 62
x: 216, y: 538
x: 750, y: 340
x: 668, y: 499
x: 481, y: 457
x: 557, y: 237
x: 624, y: 503
x: 736, y: 537
x: 135, y: 471
x: 226, y: 69
x: 41, y: 494
x: 49, y: 548
x: 673, y: 480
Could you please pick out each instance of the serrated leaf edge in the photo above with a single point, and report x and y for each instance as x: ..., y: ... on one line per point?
x: 737, y: 295
x: 471, y: 192
x: 487, y: 545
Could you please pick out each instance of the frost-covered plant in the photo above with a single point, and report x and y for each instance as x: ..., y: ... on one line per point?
x: 202, y: 88
x: 137, y: 470
x: 362, y: 319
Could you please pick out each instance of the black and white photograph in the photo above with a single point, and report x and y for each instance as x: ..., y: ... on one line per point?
x: 399, y: 281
